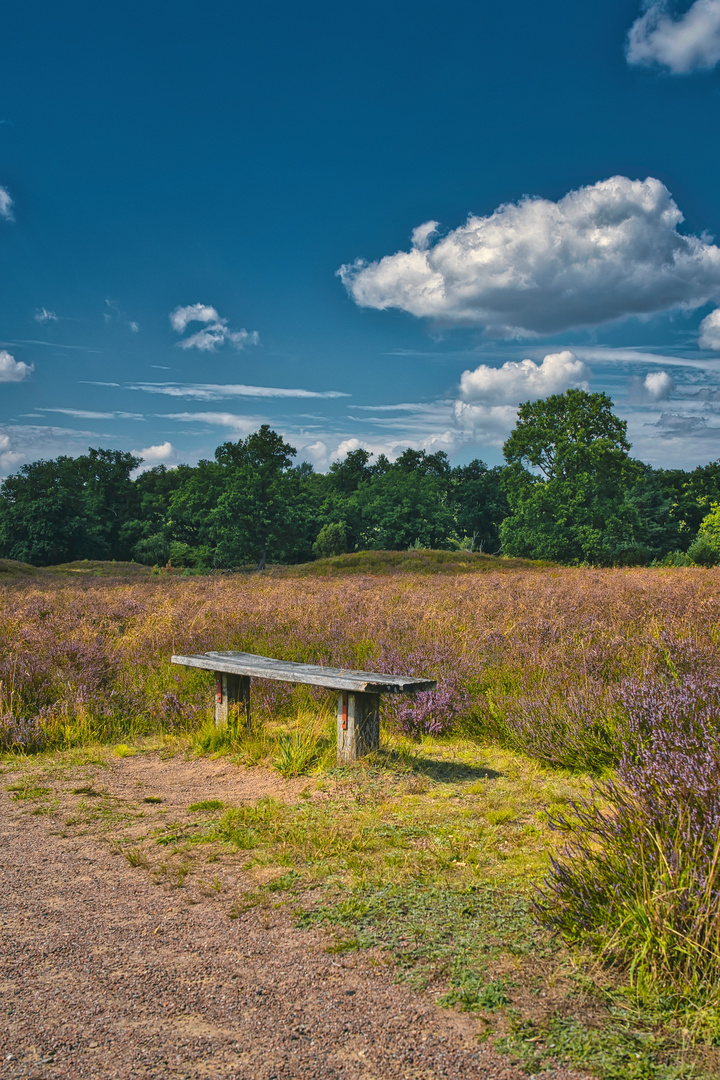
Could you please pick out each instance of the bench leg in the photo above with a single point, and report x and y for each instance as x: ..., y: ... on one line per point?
x: 358, y: 725
x: 232, y: 695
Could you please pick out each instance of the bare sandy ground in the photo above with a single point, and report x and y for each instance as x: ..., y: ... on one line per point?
x: 104, y: 973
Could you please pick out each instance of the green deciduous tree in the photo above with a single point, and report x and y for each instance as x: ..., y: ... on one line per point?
x: 691, y: 494
x: 404, y: 507
x: 256, y: 509
x: 69, y: 508
x: 709, y: 530
x: 479, y: 504
x: 567, y: 482
x: 331, y: 540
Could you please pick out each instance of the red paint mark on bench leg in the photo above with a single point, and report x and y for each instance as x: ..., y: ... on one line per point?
x: 344, y: 709
x: 218, y: 692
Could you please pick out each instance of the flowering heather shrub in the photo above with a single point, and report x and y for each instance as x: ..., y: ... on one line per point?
x: 586, y: 669
x: 640, y: 875
x: 18, y: 733
x: 90, y: 657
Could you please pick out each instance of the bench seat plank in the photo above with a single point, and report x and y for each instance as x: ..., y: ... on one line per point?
x: 264, y: 667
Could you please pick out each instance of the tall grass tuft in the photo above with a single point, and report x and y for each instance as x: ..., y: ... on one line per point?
x: 298, y: 751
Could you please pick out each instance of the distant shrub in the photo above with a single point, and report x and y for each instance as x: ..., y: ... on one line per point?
x: 673, y: 558
x: 331, y: 540
x: 632, y: 555
x: 702, y: 552
x: 152, y: 550
x: 710, y: 527
x: 186, y: 556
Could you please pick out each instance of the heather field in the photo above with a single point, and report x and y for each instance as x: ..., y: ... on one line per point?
x: 539, y: 837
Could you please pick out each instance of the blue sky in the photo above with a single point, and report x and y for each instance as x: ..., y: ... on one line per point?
x: 378, y: 224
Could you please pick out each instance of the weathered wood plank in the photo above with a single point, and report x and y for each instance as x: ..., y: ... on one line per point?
x: 232, y: 699
x: 358, y: 726
x: 264, y: 667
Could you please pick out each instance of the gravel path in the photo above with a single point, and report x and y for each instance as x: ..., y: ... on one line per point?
x: 105, y: 974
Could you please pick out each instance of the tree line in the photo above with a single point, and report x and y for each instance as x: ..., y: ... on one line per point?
x: 569, y: 492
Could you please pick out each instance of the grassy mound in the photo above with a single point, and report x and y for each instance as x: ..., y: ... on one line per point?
x: 98, y: 568
x: 425, y: 561
x: 11, y: 568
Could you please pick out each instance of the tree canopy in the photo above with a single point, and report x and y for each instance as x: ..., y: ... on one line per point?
x: 574, y: 492
x: 569, y: 492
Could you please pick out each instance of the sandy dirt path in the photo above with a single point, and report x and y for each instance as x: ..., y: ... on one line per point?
x: 105, y: 974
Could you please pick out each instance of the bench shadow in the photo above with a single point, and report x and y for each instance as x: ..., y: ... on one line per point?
x: 443, y: 772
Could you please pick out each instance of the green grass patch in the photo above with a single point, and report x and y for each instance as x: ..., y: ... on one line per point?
x: 26, y: 790
x: 436, y: 934
x: 615, y: 1051
x: 206, y: 804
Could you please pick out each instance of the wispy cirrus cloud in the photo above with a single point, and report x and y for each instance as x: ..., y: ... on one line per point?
x: 218, y: 391
x: 42, y: 315
x: 214, y: 333
x: 6, y: 205
x: 114, y: 314
x: 690, y: 42
x: 604, y: 252
x: 49, y: 344
x: 240, y: 425
x: 89, y: 414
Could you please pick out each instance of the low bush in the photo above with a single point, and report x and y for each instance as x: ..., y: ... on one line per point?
x: 640, y: 875
x: 702, y: 552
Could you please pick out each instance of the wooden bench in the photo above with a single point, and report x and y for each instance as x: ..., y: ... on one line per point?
x: 358, y: 718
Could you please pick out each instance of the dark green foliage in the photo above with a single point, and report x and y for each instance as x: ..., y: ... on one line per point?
x: 479, y: 504
x: 587, y: 501
x: 332, y: 540
x: 346, y: 476
x: 70, y: 508
x: 257, y: 508
x: 569, y: 493
x: 404, y: 507
x: 702, y: 553
x: 691, y: 494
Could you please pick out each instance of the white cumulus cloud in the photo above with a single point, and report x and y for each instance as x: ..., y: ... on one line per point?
x: 8, y: 456
x: 163, y: 453
x: 710, y: 331
x: 489, y: 424
x: 6, y: 205
x: 12, y: 370
x: 181, y: 317
x: 688, y: 43
x: 603, y: 252
x: 523, y: 380
x: 214, y: 333
x: 486, y: 406
x: 659, y: 385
